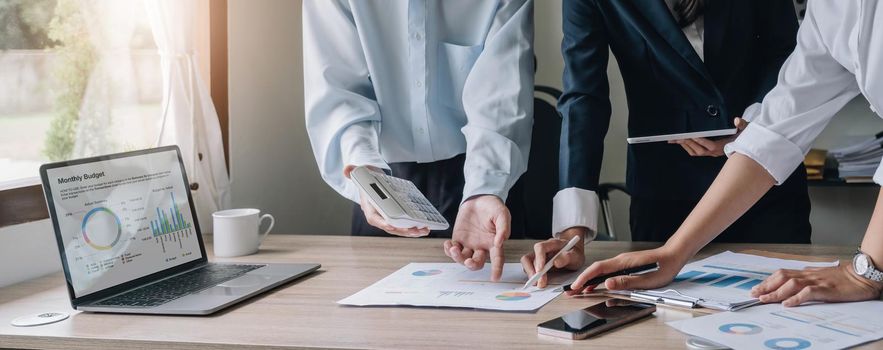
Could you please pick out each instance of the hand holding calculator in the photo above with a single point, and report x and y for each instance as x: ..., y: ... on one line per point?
x: 399, y: 202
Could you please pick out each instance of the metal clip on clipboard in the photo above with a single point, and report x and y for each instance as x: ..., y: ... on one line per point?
x: 678, y: 300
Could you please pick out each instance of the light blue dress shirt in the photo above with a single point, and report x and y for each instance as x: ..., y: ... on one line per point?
x: 420, y: 81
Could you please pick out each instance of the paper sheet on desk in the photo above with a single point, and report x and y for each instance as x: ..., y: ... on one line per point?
x: 724, y: 281
x: 453, y: 285
x: 773, y: 326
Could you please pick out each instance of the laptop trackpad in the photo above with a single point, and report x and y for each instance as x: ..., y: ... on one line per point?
x: 243, y: 285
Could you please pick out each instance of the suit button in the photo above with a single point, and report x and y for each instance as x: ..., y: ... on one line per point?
x: 712, y: 110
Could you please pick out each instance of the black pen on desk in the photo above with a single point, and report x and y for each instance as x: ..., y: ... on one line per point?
x: 629, y: 271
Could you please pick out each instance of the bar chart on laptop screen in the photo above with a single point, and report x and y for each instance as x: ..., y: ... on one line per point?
x: 170, y: 226
x: 130, y: 218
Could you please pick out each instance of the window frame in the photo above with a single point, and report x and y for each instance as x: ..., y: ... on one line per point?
x: 22, y: 201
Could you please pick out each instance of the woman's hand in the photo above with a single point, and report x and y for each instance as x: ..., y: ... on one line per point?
x: 703, y: 147
x: 542, y: 251
x: 670, y: 263
x: 828, y: 284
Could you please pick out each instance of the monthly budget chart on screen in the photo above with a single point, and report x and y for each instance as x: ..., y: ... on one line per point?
x: 123, y: 218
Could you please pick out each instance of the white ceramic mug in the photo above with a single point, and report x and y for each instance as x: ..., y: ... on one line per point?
x: 236, y: 231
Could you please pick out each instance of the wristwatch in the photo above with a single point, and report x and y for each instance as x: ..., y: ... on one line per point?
x: 864, y: 266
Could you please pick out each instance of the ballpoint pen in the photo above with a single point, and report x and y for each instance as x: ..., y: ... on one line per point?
x: 629, y: 271
x: 570, y: 244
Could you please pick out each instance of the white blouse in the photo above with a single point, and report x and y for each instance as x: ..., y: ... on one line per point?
x: 839, y: 54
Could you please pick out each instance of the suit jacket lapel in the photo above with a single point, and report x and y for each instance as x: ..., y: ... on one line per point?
x: 657, y: 13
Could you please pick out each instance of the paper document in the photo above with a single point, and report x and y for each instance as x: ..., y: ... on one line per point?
x: 453, y: 285
x: 773, y: 326
x: 723, y: 281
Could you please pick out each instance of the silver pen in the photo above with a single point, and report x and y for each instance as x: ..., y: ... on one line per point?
x: 551, y: 262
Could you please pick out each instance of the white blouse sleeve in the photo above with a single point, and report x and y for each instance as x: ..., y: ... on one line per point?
x: 812, y: 86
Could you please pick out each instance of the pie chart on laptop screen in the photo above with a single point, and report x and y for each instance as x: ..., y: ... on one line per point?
x: 101, y: 228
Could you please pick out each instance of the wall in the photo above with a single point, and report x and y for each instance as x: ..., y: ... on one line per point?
x: 840, y: 215
x: 27, y: 251
x: 273, y: 167
x: 271, y: 162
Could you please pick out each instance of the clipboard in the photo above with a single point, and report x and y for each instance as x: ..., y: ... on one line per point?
x: 686, y: 303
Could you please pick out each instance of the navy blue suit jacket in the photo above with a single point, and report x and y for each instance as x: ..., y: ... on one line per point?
x: 669, y: 88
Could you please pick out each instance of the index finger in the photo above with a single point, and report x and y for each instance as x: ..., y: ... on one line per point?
x: 497, y: 260
x: 597, y: 268
x: 540, y: 251
x: 501, y: 223
x: 704, y: 142
x: 697, y: 147
x: 771, y: 283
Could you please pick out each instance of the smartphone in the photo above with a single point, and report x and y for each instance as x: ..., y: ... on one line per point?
x: 596, y: 319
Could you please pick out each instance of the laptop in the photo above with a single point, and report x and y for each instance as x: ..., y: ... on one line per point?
x: 130, y: 242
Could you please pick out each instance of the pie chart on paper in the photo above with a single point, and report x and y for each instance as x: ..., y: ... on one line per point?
x: 513, y: 296
x: 423, y: 273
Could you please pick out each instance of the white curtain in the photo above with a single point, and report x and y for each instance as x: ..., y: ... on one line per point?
x: 189, y: 117
x: 112, y: 84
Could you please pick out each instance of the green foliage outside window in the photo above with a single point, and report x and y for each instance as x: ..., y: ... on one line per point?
x: 68, y: 28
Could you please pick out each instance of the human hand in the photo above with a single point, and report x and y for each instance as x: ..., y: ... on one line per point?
x: 375, y: 219
x: 670, y: 263
x: 828, y: 284
x: 542, y: 251
x: 481, y: 227
x: 703, y: 147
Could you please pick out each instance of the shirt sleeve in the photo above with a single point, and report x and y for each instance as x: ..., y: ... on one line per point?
x: 498, y: 100
x: 811, y: 87
x: 575, y: 207
x: 342, y: 116
x: 359, y: 145
x: 585, y: 111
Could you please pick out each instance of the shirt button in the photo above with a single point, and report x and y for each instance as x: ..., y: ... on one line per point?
x: 419, y: 84
x: 418, y: 36
x: 712, y: 110
x: 420, y: 131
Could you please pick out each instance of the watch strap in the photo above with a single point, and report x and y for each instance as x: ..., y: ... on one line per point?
x: 874, y: 275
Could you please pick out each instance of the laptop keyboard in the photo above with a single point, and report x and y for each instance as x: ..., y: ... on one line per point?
x: 173, y: 288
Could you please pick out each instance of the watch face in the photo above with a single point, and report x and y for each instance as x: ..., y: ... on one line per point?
x: 861, y: 264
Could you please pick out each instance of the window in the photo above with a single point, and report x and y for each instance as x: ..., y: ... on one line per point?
x: 77, y: 78
x: 83, y: 77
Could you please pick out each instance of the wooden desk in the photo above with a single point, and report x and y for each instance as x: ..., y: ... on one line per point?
x: 304, y: 314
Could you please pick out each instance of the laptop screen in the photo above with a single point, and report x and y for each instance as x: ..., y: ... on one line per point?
x: 123, y: 218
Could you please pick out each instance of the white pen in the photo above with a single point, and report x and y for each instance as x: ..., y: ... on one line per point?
x: 551, y: 262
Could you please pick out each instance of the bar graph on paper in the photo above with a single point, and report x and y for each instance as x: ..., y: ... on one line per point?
x: 726, y: 279
x: 723, y: 277
x: 170, y: 225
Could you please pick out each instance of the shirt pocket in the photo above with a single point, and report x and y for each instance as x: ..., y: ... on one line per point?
x: 454, y: 64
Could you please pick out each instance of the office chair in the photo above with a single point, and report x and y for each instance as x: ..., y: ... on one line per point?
x: 603, y: 192
x: 540, y: 182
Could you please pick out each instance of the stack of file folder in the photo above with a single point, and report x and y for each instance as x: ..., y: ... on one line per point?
x: 859, y: 161
x: 815, y: 164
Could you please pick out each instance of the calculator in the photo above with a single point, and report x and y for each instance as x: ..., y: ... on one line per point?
x: 398, y: 200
